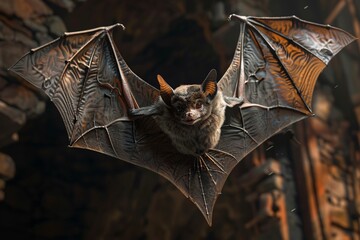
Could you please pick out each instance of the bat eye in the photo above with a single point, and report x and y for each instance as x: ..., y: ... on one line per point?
x: 198, y: 105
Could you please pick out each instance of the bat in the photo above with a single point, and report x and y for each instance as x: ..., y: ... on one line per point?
x: 191, y: 115
x: 196, y: 134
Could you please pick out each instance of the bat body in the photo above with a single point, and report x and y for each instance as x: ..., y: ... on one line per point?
x: 196, y: 134
x: 191, y: 115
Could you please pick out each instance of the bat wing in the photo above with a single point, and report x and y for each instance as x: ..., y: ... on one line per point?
x: 85, y: 76
x: 273, y: 73
x: 274, y: 70
x: 87, y: 79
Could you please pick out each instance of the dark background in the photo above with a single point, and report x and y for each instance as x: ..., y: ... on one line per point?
x: 64, y: 193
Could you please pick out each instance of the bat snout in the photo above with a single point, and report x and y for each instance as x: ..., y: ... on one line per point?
x: 191, y: 117
x: 192, y: 114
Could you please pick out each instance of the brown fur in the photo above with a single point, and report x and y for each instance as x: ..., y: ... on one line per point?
x: 202, y: 135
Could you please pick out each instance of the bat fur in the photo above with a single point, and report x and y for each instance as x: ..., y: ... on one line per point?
x: 192, y: 119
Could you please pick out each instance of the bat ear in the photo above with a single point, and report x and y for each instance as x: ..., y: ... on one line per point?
x: 166, y: 92
x: 209, y: 85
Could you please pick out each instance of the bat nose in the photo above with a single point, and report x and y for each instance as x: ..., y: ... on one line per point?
x: 189, y: 114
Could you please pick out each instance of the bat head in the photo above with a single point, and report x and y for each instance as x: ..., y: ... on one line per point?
x: 190, y: 104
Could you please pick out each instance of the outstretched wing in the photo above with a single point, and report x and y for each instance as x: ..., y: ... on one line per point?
x: 87, y: 79
x: 274, y: 70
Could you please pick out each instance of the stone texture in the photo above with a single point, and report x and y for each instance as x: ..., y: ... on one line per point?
x: 8, y: 50
x: 27, y: 9
x: 7, y: 167
x: 24, y: 24
x: 6, y: 7
x: 13, y: 117
x: 61, y: 193
x: 56, y: 25
x: 23, y: 99
x: 67, y: 4
x: 34, y: 26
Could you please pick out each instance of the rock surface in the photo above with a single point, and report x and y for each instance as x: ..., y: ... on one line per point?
x: 284, y: 190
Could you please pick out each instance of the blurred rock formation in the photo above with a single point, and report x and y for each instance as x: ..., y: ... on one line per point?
x: 302, y: 184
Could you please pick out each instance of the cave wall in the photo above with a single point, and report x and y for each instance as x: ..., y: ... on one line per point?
x: 281, y: 191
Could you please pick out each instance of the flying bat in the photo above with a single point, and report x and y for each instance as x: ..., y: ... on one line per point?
x: 193, y: 135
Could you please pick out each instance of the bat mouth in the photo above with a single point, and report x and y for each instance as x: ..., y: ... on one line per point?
x: 190, y: 121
